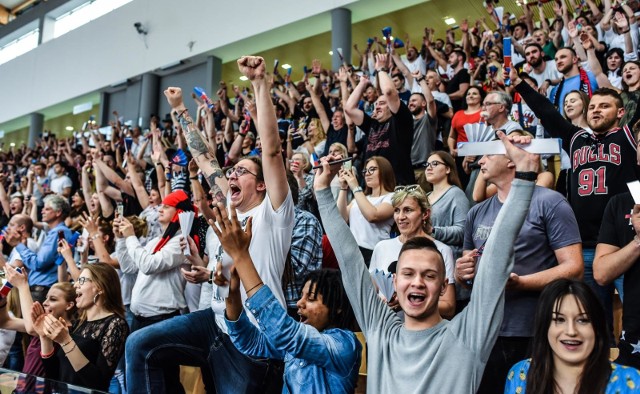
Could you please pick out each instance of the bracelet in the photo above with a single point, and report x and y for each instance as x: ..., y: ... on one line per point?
x: 531, y: 176
x: 72, y: 349
x: 210, y: 281
x: 625, y: 32
x: 49, y: 354
x: 194, y: 178
x: 382, y: 69
x: 242, y: 135
x: 259, y: 284
x: 345, y: 189
x: 420, y: 79
x: 357, y: 190
x: 70, y: 340
x: 181, y: 113
x: 94, y: 237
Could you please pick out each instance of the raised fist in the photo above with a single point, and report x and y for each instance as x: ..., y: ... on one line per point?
x: 252, y: 67
x: 174, y: 97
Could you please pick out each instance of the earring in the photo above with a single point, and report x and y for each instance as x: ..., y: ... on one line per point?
x: 95, y: 298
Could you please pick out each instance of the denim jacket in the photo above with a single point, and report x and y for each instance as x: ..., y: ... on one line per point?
x: 315, y: 362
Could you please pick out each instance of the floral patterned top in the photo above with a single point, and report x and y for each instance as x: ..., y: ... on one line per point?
x: 623, y: 379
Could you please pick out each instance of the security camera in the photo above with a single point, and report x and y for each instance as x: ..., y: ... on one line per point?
x: 140, y: 28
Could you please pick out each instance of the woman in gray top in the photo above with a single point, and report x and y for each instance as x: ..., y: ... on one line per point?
x: 449, y: 204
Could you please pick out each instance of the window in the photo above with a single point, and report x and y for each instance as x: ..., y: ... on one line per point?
x: 83, y: 14
x: 19, y: 46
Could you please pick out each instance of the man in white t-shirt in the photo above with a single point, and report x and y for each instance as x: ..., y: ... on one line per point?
x: 543, y: 71
x: 258, y: 189
x: 60, y: 182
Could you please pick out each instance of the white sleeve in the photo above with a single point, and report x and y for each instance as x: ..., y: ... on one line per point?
x: 126, y: 263
x: 169, y: 257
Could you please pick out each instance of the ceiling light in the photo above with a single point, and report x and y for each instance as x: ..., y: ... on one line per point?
x: 331, y: 53
x: 286, y: 66
x: 69, y: 128
x: 243, y: 78
x: 450, y: 21
x: 391, y: 38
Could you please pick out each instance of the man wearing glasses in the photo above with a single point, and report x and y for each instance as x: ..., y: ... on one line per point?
x: 256, y: 188
x: 547, y: 248
x: 495, y: 112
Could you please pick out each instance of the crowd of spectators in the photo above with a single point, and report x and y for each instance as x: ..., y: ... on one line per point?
x: 110, y: 293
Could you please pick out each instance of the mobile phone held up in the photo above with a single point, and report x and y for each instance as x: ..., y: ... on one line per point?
x: 347, y: 160
x: 120, y: 209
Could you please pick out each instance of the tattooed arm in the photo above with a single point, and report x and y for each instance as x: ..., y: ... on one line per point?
x: 204, y: 155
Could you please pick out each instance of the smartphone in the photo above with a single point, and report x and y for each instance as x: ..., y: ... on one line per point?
x: 119, y: 209
x: 347, y: 165
x: 348, y: 159
x: 60, y: 235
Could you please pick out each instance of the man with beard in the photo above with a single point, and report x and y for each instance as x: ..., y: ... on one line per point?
x: 543, y: 71
x: 602, y: 162
x: 458, y: 75
x: 423, y: 108
x: 573, y: 78
x: 389, y: 130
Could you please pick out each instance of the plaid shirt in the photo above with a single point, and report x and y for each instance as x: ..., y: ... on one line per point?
x: 306, y: 253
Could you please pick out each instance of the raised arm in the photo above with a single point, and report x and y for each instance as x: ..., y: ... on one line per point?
x: 202, y: 152
x: 351, y: 107
x: 386, y: 84
x: 480, y: 321
x: 550, y: 118
x: 253, y: 67
x: 114, y: 178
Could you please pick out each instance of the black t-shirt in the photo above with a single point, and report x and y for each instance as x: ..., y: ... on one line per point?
x: 453, y: 86
x: 392, y: 140
x: 617, y: 231
x: 334, y: 136
x: 601, y: 167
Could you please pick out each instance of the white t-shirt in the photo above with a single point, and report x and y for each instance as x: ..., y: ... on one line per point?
x: 367, y: 234
x: 550, y: 72
x: 14, y: 255
x: 387, y: 251
x: 270, y: 243
x: 60, y: 183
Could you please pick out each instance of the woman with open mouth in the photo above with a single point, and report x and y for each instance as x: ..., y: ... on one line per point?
x: 86, y: 351
x: 570, y: 347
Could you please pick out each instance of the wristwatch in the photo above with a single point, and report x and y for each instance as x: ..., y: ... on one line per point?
x: 356, y: 190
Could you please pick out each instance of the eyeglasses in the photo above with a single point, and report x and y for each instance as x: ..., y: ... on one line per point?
x: 408, y: 188
x: 83, y: 279
x: 369, y: 171
x: 434, y: 164
x: 488, y: 104
x: 239, y: 171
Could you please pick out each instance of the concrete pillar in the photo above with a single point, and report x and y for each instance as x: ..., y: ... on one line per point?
x: 36, y: 125
x: 149, y: 96
x: 103, y: 110
x: 213, y: 76
x: 340, y: 36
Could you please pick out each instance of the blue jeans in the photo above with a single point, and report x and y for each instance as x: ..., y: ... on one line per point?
x: 195, y: 340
